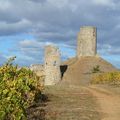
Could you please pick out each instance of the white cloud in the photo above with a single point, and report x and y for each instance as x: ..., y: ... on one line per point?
x: 59, y: 3
x: 27, y: 43
x: 13, y: 28
x: 57, y: 22
x: 23, y: 22
x: 5, y: 4
x: 109, y: 3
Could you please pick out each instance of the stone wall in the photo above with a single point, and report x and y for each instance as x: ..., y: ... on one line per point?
x: 38, y: 69
x: 86, y: 43
x: 52, y: 65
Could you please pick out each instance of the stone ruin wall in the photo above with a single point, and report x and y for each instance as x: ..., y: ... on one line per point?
x: 52, y: 65
x: 86, y: 43
x: 86, y: 46
x: 38, y: 69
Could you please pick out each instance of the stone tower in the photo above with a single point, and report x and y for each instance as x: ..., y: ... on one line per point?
x: 52, y: 65
x: 86, y: 45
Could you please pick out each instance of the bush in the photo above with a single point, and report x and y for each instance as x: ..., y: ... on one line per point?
x: 18, y: 88
x: 112, y: 78
x: 96, y: 69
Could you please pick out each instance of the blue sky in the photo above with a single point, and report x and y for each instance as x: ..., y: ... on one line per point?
x: 26, y: 26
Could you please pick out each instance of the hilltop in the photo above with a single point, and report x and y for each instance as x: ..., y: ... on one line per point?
x: 79, y: 71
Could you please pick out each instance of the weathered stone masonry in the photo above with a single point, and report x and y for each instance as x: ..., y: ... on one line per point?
x: 52, y: 65
x: 86, y: 44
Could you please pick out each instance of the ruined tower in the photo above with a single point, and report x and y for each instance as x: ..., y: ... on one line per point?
x: 86, y: 44
x: 52, y: 65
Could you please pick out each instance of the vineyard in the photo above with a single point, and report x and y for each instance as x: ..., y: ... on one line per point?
x: 23, y: 97
x: 111, y: 78
x: 18, y: 90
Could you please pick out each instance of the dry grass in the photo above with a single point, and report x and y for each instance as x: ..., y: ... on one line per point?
x: 71, y: 104
x: 112, y: 78
x: 67, y: 103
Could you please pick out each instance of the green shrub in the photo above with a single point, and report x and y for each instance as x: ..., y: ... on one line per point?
x: 96, y: 69
x: 17, y: 91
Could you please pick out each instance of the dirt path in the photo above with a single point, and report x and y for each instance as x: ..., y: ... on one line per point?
x: 77, y: 103
x: 66, y: 103
x: 71, y: 103
x: 109, y: 103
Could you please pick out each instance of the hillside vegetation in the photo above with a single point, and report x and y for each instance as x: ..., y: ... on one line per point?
x: 18, y: 90
x: 111, y: 78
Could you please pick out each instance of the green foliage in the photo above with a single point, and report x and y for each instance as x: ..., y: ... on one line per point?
x: 96, y: 69
x: 112, y: 78
x: 17, y: 91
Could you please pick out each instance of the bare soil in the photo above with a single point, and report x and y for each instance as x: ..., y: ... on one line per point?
x: 66, y: 103
x: 109, y: 102
x: 78, y: 103
x: 79, y: 71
